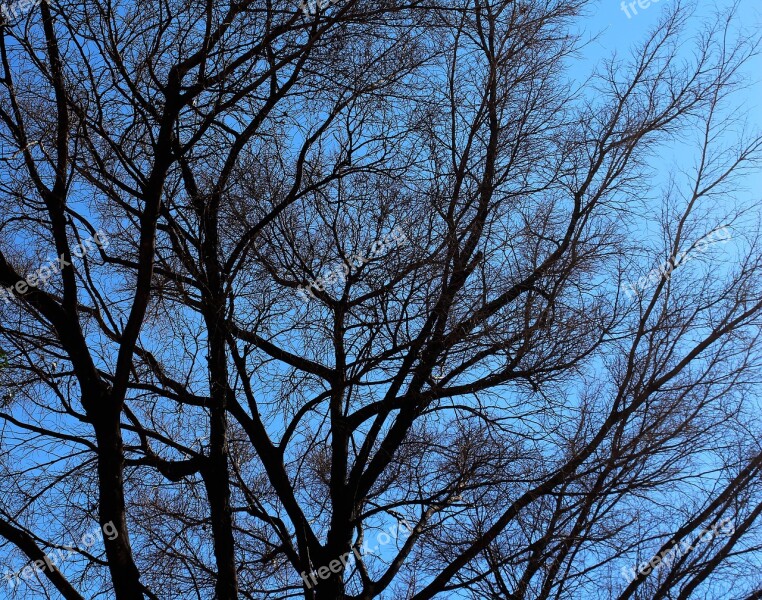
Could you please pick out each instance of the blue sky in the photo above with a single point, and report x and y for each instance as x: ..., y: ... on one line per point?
x: 617, y: 32
x: 609, y: 29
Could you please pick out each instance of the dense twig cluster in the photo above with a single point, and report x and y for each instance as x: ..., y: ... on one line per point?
x: 486, y: 382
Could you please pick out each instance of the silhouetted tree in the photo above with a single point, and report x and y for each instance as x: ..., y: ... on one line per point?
x: 372, y: 290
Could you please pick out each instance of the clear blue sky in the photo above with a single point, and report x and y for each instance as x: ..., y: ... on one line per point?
x: 617, y: 33
x: 608, y: 29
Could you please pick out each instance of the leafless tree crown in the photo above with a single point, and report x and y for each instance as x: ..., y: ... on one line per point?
x: 376, y: 299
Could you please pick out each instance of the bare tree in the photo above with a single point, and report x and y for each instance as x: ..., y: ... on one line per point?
x: 372, y: 299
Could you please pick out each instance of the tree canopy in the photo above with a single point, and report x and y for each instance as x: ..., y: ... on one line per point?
x: 376, y: 299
